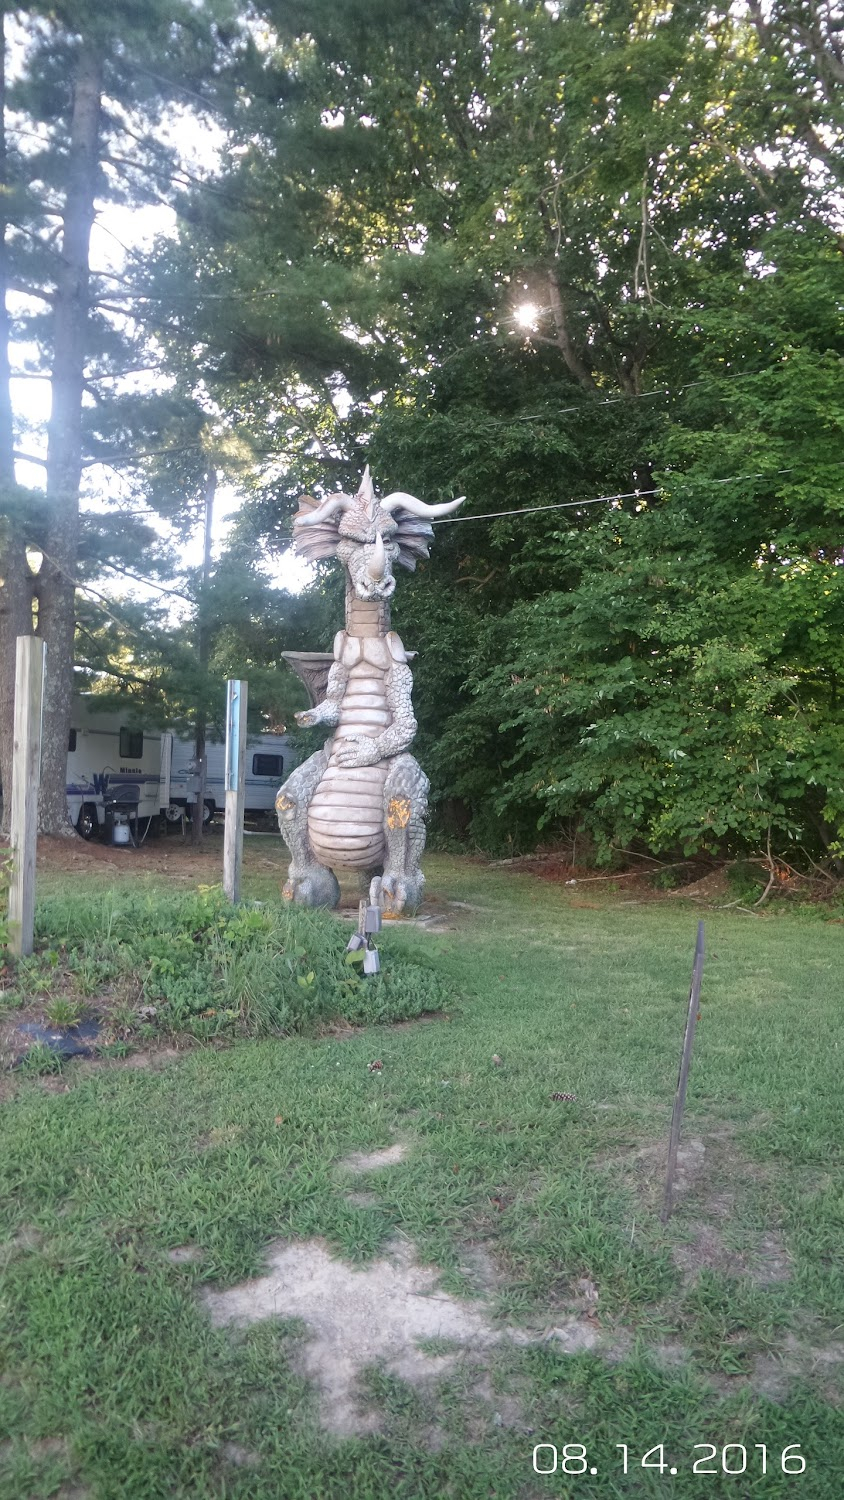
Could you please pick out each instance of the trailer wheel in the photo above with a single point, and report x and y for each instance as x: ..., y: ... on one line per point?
x: 87, y: 824
x: 209, y: 807
x: 174, y: 813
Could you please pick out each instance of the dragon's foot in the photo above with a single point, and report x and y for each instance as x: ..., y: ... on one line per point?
x: 402, y: 891
x: 311, y: 885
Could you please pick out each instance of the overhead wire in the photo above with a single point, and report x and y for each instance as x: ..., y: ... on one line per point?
x: 637, y: 494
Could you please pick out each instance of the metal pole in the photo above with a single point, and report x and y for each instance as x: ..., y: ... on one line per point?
x: 237, y: 694
x: 683, y: 1078
x: 26, y: 775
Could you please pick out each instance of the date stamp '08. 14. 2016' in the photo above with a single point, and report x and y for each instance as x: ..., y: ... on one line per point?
x: 731, y: 1458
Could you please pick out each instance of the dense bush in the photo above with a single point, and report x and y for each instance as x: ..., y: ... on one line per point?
x: 208, y: 967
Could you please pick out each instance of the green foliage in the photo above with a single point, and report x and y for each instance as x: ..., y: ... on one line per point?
x: 39, y: 1061
x: 61, y: 1011
x: 746, y: 881
x: 665, y: 668
x: 662, y: 187
x: 209, y: 967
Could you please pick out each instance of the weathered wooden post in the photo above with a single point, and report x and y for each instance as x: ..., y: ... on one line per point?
x: 26, y: 774
x: 237, y: 695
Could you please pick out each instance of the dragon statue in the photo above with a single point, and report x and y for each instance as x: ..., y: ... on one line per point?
x: 360, y: 802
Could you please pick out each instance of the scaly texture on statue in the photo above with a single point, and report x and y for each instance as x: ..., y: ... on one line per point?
x: 360, y: 802
x: 405, y: 809
x: 308, y: 882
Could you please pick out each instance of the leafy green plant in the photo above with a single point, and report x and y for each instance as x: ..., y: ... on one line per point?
x: 209, y: 967
x: 40, y: 1060
x: 746, y: 881
x: 60, y: 1011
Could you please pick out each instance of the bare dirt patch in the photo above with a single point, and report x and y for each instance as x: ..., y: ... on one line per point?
x: 712, y: 1177
x: 242, y: 1458
x: 166, y: 855
x: 800, y: 1359
x: 371, y: 1161
x: 380, y: 1314
x: 184, y: 1255
x: 377, y: 1314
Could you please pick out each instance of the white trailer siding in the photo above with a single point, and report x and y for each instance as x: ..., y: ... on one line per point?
x: 107, y: 751
x: 269, y: 760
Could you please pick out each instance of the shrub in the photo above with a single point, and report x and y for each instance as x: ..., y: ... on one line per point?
x: 210, y: 967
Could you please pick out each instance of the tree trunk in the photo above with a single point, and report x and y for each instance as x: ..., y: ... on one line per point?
x: 564, y: 341
x: 204, y: 651
x: 57, y: 615
x: 15, y: 583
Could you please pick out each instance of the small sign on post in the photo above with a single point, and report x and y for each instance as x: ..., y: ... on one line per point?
x: 26, y: 775
x: 237, y: 693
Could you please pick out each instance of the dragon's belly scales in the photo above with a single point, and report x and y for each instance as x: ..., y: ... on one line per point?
x: 346, y: 812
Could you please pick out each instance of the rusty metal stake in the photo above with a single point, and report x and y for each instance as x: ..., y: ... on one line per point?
x: 683, y: 1078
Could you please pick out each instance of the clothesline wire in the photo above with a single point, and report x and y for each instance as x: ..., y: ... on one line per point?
x: 639, y: 494
x: 495, y: 515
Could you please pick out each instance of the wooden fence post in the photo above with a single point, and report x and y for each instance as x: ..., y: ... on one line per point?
x: 237, y: 697
x: 26, y: 774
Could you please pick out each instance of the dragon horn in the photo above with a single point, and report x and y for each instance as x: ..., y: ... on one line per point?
x: 322, y: 512
x: 414, y: 507
x: 366, y: 493
x: 377, y: 563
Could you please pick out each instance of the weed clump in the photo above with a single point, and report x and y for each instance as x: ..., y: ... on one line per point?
x: 207, y: 967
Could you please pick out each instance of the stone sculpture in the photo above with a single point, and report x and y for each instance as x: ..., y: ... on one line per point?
x: 360, y: 802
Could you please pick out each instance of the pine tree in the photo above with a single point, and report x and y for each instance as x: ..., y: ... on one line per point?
x: 95, y: 83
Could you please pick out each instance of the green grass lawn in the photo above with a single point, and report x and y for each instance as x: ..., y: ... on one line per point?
x: 725, y: 1327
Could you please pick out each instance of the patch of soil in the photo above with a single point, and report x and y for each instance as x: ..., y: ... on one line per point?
x: 370, y: 1161
x: 480, y: 1268
x: 340, y: 1032
x: 242, y: 1458
x: 363, y: 1200
x: 356, y: 1316
x: 705, y: 1249
x: 380, y: 1314
x: 151, y: 1057
x: 154, y: 1054
x: 165, y: 855
x: 27, y: 1240
x: 799, y: 1359
x: 713, y: 886
x: 705, y: 1210
x: 48, y: 1447
x: 184, y: 1255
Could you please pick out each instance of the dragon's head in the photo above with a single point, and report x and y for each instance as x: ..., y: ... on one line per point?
x: 367, y: 534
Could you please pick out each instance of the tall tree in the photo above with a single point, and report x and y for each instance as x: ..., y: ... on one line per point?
x: 15, y: 577
x: 57, y: 612
x: 94, y: 86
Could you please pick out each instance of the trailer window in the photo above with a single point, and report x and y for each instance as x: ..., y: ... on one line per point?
x: 267, y: 765
x: 71, y: 742
x: 131, y: 744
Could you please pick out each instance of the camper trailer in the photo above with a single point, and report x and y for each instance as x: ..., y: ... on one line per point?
x: 269, y: 759
x: 107, y: 753
x: 104, y: 754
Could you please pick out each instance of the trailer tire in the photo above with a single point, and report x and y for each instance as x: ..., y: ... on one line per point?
x: 87, y: 824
